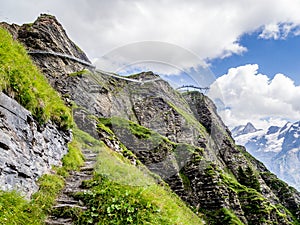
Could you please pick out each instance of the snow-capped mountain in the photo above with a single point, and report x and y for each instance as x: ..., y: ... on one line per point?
x: 278, y: 148
x: 240, y: 130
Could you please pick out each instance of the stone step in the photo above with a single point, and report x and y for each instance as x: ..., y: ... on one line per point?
x: 90, y: 159
x: 87, y: 168
x: 71, y: 191
x: 67, y: 201
x: 69, y: 206
x: 58, y: 221
x: 81, y: 174
x: 91, y: 162
x: 90, y: 154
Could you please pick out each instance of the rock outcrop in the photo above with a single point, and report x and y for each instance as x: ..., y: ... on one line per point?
x: 27, y: 150
x: 178, y: 136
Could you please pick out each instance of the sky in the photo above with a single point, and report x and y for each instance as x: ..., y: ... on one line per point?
x: 248, y: 51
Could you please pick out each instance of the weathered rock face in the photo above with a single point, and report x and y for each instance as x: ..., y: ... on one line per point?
x: 186, y: 142
x: 47, y: 34
x: 26, y: 151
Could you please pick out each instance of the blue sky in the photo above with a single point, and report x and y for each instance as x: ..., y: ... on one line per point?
x: 272, y: 56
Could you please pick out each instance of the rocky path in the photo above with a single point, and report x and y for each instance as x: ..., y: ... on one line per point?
x: 65, y: 203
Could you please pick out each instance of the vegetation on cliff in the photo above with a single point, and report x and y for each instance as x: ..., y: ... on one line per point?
x: 121, y: 193
x: 23, y: 81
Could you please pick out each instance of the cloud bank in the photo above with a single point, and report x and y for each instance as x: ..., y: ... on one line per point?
x: 248, y: 95
x: 210, y: 29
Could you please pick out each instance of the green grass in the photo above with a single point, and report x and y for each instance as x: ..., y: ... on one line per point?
x: 14, y: 209
x: 223, y: 216
x: 71, y: 161
x: 79, y: 73
x: 136, y: 129
x: 121, y: 193
x: 190, y: 119
x: 20, y: 79
x: 254, y: 203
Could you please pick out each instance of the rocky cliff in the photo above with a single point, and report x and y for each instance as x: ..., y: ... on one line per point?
x: 26, y: 151
x: 177, y: 136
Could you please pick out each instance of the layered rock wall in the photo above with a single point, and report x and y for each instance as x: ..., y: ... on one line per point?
x: 27, y: 151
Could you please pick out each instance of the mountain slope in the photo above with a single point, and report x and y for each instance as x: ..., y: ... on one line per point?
x: 278, y: 148
x: 178, y: 137
x: 30, y: 146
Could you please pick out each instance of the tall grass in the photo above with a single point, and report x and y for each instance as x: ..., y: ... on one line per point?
x: 21, y: 79
x: 121, y: 193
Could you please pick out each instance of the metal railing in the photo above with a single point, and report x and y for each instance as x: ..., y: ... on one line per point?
x: 205, y: 89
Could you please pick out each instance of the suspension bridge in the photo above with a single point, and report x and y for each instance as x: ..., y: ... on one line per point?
x: 204, y: 90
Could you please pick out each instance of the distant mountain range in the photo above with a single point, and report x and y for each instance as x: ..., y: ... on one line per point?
x: 277, y: 147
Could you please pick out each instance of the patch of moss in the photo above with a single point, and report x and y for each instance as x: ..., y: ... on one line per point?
x: 248, y: 178
x: 185, y: 180
x: 190, y: 119
x: 84, y: 140
x: 222, y: 216
x: 79, y: 73
x: 136, y: 129
x: 256, y: 208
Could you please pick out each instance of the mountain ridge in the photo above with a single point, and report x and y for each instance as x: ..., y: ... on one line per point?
x: 278, y: 148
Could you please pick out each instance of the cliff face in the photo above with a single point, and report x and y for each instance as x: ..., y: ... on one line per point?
x: 178, y: 136
x: 27, y: 151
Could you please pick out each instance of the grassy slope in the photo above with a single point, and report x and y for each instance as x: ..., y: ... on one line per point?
x: 21, y: 79
x: 253, y: 202
x: 120, y: 193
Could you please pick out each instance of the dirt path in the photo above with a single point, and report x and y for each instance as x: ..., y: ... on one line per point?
x: 65, y: 202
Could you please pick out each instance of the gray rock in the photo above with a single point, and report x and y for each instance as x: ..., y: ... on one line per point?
x: 26, y: 153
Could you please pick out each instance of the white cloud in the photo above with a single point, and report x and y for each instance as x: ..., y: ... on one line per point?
x: 279, y: 30
x: 161, y: 57
x: 251, y: 96
x: 271, y: 31
x: 208, y: 28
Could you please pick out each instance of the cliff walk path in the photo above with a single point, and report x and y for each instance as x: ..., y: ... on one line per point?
x: 66, y: 202
x: 186, y: 87
x: 88, y: 64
